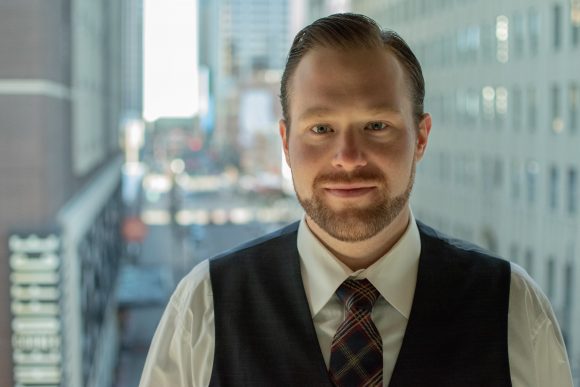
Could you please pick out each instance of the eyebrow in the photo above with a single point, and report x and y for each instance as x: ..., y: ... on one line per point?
x: 323, y: 110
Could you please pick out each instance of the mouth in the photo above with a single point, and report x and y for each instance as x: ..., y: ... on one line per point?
x: 349, y: 190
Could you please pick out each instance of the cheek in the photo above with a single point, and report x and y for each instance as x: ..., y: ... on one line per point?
x: 305, y: 163
x: 303, y: 156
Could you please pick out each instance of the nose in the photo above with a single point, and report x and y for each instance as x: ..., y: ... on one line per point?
x: 349, y: 154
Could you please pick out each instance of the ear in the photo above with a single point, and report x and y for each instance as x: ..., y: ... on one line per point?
x: 423, y: 136
x: 284, y: 135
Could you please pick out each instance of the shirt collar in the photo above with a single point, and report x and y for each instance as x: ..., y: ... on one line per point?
x: 394, y: 274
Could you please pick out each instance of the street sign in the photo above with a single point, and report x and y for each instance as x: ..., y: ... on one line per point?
x: 35, y: 305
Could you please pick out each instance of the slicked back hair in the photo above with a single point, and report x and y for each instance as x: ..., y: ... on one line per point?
x: 349, y: 31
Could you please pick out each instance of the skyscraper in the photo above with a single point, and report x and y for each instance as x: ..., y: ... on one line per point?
x: 239, y: 39
x: 502, y: 168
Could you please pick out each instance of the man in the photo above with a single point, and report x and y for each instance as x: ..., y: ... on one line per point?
x: 357, y: 292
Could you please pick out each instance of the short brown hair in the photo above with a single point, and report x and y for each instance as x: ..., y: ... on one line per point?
x: 349, y: 30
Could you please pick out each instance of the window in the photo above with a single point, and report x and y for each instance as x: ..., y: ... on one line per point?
x: 467, y: 45
x: 572, y: 191
x: 487, y: 173
x: 517, y: 108
x: 516, y: 185
x: 557, y: 123
x: 532, y: 109
x: 575, y: 19
x: 518, y: 35
x: 529, y: 262
x: 557, y: 26
x: 574, y: 107
x: 501, y: 35
x: 501, y: 105
x: 553, y: 188
x: 488, y: 101
x: 550, y: 280
x: 534, y: 31
x: 472, y: 106
x: 532, y: 170
x: 467, y: 107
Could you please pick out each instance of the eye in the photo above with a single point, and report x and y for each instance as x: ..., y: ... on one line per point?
x: 321, y: 129
x: 376, y: 126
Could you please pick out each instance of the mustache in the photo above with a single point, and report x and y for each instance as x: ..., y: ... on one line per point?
x: 350, y: 177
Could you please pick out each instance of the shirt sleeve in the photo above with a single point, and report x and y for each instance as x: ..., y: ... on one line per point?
x: 537, y: 353
x: 181, y: 352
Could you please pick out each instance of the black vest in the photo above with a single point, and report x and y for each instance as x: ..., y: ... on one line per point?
x: 456, y: 334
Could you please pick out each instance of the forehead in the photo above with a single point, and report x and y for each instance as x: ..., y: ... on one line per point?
x: 346, y: 77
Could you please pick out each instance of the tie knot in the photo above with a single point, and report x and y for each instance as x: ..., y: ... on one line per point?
x: 358, y: 294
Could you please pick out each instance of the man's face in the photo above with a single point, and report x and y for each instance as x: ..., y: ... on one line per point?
x: 353, y: 142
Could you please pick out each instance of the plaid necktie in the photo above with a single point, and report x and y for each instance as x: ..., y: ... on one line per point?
x: 356, y: 357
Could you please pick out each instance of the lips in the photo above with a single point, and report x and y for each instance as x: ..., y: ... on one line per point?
x: 349, y: 191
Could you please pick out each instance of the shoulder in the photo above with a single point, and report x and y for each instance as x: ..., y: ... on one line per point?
x: 193, y: 293
x: 527, y: 301
x: 535, y: 339
x: 183, y: 342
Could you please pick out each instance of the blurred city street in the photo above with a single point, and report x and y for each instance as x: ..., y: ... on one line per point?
x: 170, y: 250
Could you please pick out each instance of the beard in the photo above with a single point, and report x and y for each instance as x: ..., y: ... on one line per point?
x: 354, y: 223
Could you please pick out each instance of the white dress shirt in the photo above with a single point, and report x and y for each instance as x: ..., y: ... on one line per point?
x: 182, y: 350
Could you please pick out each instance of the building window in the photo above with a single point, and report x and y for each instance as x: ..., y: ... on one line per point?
x: 501, y: 35
x: 517, y: 108
x: 556, y: 121
x: 467, y: 45
x: 488, y: 101
x: 557, y: 26
x: 516, y: 177
x: 518, y: 35
x: 534, y: 31
x: 529, y: 262
x: 573, y: 191
x: 550, y: 277
x: 574, y: 107
x: 532, y: 109
x: 553, y: 188
x: 532, y: 170
x: 472, y: 106
x: 501, y: 104
x: 575, y: 19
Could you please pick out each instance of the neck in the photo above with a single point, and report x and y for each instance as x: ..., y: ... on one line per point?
x: 362, y: 254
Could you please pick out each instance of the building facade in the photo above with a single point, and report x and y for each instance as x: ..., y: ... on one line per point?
x: 240, y: 40
x: 62, y: 101
x: 503, y: 164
